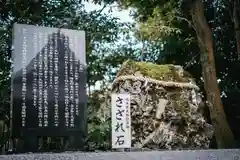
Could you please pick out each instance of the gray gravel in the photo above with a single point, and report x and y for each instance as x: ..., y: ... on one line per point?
x: 229, y: 154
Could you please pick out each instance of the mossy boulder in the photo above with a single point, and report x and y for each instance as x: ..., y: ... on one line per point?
x: 166, y: 107
x: 167, y: 72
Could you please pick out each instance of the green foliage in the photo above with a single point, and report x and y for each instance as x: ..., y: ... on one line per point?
x: 99, y: 135
x: 160, y: 24
x: 99, y: 131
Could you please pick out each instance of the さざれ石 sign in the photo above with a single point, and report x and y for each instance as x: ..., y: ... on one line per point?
x: 121, y: 121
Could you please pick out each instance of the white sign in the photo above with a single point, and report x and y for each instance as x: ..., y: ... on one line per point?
x: 121, y: 121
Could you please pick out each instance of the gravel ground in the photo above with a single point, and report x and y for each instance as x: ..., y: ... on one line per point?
x: 229, y: 154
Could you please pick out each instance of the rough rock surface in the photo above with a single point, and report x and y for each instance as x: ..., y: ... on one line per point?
x: 166, y: 107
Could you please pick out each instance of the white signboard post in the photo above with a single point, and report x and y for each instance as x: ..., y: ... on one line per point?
x: 121, y: 121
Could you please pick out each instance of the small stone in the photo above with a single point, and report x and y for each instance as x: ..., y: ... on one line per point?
x: 160, y: 108
x: 208, y: 129
x: 149, y: 108
x: 138, y: 74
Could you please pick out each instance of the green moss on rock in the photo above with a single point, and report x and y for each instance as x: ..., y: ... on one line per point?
x: 165, y: 72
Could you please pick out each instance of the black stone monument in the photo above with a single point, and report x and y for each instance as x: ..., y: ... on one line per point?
x: 48, y: 85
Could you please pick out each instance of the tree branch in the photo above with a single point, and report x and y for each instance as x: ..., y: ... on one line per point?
x: 101, y: 10
x: 186, y: 20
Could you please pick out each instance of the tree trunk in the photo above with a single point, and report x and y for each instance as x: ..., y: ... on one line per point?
x: 236, y: 19
x: 223, y: 133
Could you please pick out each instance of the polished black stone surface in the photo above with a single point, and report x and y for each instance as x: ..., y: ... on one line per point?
x: 54, y: 58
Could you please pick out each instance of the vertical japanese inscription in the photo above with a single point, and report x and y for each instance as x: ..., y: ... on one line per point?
x: 76, y: 77
x: 35, y: 74
x: 56, y: 94
x: 66, y: 82
x: 24, y: 78
x: 51, y: 61
x: 45, y: 82
x: 128, y: 114
x: 40, y: 82
x: 71, y: 82
x: 121, y: 130
x: 119, y: 116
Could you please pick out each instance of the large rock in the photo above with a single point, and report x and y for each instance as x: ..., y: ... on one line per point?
x: 166, y: 107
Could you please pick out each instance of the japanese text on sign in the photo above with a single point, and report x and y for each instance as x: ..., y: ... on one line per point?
x: 121, y: 121
x: 48, y: 91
